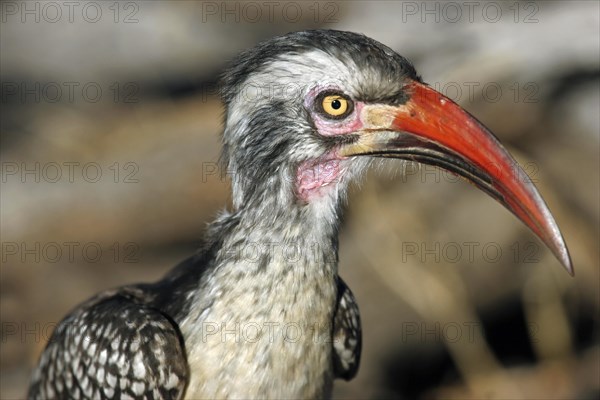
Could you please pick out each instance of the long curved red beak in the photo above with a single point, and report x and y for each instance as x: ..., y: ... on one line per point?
x: 432, y: 129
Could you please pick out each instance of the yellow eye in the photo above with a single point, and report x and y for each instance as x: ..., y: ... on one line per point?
x: 335, y: 106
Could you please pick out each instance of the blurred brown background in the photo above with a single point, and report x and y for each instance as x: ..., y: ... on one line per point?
x: 110, y: 137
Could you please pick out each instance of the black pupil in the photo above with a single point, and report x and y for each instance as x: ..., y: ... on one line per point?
x: 336, y: 104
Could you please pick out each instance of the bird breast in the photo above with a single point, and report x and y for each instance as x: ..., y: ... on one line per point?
x: 263, y: 329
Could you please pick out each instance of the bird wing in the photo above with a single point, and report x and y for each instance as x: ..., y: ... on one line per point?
x: 114, y: 345
x: 347, y: 334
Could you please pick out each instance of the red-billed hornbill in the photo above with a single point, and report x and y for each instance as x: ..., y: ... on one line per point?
x: 244, y: 318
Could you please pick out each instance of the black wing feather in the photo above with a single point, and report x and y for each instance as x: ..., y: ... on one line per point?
x: 113, y: 346
x: 347, y: 334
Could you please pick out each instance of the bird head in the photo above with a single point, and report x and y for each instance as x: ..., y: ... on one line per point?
x: 307, y: 111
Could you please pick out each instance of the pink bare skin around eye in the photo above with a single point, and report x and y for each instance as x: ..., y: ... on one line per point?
x: 332, y: 127
x: 313, y: 177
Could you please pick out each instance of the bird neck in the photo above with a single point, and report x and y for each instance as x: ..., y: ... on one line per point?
x: 306, y: 225
x: 286, y: 218
x: 274, y: 258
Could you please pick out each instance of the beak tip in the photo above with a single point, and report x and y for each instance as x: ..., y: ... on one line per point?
x: 564, y: 257
x: 568, y: 264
